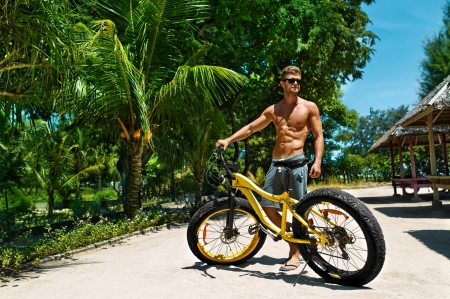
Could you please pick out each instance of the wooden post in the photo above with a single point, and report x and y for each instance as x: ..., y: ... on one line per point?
x: 393, y: 167
x: 400, y: 158
x: 413, y: 166
x: 444, y: 141
x: 433, y: 169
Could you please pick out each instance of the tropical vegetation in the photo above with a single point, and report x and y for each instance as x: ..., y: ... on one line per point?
x: 124, y: 100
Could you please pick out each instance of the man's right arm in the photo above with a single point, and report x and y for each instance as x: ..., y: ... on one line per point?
x: 258, y: 124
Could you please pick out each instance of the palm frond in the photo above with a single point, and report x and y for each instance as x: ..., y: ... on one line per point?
x: 85, y: 172
x: 39, y: 176
x: 193, y: 87
x: 109, y: 85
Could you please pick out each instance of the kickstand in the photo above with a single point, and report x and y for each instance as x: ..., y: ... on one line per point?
x: 313, y: 252
x: 298, y: 277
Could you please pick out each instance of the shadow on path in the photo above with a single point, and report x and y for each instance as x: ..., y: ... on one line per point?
x: 416, y: 212
x: 34, y: 272
x: 290, y: 278
x: 436, y: 240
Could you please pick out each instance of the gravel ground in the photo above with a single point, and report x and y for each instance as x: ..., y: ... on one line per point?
x: 160, y: 264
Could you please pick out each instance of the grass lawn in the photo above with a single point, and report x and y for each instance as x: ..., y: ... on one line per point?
x: 354, y: 185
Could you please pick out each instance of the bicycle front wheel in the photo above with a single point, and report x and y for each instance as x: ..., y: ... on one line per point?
x: 208, y: 236
x: 356, y: 252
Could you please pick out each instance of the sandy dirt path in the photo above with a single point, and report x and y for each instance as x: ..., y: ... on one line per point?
x: 160, y: 264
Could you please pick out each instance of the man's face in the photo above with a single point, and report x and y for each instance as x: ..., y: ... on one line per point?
x: 291, y: 83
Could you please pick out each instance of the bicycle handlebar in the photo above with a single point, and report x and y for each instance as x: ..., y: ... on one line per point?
x: 227, y: 165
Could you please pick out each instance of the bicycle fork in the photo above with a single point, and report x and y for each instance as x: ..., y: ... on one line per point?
x: 230, y: 215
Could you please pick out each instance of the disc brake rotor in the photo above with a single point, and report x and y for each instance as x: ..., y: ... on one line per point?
x: 226, y: 238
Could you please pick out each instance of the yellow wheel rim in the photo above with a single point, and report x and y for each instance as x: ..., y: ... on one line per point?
x: 213, y: 243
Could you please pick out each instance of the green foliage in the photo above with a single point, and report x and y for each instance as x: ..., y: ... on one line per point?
x: 377, y: 167
x: 435, y: 67
x: 133, y: 74
x: 369, y: 129
x: 85, y: 233
x: 29, y: 67
x: 257, y: 178
x: 15, y: 221
x: 83, y: 209
x: 328, y: 40
x: 53, y: 164
x: 105, y: 195
x: 16, y: 200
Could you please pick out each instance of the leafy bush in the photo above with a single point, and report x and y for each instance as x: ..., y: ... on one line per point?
x: 16, y: 200
x: 82, y: 209
x: 85, y: 233
x: 105, y: 194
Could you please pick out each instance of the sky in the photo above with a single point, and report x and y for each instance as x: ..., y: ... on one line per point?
x: 391, y: 77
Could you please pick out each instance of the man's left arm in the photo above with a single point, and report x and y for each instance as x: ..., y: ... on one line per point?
x: 316, y: 128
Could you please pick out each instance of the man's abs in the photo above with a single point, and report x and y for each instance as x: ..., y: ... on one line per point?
x: 289, y: 145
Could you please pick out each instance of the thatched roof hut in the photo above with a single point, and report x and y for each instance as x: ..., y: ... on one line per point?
x: 428, y: 123
x: 436, y: 104
x: 420, y: 136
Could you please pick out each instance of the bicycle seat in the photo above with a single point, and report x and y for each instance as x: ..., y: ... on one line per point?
x: 291, y: 164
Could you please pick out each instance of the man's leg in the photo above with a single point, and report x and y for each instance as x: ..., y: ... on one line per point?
x: 294, y: 254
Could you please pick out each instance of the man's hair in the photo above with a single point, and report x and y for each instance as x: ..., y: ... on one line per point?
x: 289, y: 70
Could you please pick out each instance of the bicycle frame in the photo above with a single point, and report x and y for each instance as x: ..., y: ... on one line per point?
x: 246, y: 186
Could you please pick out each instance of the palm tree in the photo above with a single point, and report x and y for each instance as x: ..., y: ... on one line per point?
x: 32, y: 53
x: 136, y: 72
x: 199, y: 136
x: 52, y: 163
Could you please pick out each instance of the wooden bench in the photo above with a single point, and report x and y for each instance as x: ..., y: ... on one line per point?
x: 415, y: 183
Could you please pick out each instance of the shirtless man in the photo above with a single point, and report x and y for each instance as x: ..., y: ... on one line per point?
x: 293, y: 118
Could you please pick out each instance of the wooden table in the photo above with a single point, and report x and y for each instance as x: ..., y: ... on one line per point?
x: 440, y: 181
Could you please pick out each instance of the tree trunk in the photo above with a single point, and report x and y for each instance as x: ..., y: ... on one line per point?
x: 65, y: 201
x: 124, y: 166
x: 7, y: 210
x: 78, y: 192
x: 99, y: 185
x: 135, y: 152
x: 198, y: 192
x: 51, y: 201
x: 234, y: 126
x: 247, y: 157
x: 172, y: 183
x: 78, y: 167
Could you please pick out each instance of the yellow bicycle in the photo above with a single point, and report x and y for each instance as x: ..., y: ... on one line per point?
x: 336, y: 234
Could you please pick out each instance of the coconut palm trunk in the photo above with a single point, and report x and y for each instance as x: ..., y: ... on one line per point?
x: 51, y: 201
x: 198, y: 192
x: 135, y: 151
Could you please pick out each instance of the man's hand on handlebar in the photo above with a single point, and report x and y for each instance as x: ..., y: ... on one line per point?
x: 223, y: 143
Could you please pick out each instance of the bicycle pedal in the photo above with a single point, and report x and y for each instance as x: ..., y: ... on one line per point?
x: 270, y: 233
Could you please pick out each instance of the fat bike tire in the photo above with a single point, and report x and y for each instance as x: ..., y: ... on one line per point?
x: 357, y: 251
x: 207, y: 233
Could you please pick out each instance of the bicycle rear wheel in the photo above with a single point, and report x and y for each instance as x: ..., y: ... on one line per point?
x: 357, y: 249
x: 208, y: 236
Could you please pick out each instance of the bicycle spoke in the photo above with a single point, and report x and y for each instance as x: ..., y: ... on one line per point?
x: 214, y: 237
x: 334, y: 217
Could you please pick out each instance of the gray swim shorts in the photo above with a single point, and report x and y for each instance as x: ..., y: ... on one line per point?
x: 274, y: 182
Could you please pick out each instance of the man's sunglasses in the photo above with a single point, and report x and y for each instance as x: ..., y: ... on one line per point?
x: 292, y: 81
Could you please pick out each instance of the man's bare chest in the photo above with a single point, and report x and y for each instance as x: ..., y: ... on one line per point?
x: 295, y: 118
